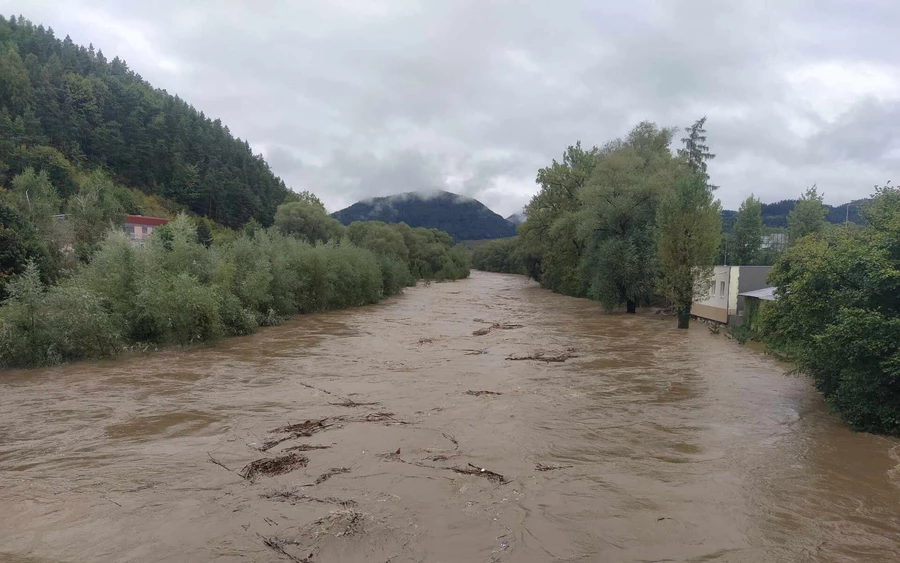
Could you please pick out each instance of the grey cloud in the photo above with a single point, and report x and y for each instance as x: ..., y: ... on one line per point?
x: 355, y: 99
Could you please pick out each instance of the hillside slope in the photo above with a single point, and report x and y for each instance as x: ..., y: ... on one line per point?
x: 65, y: 109
x: 775, y: 214
x: 463, y: 218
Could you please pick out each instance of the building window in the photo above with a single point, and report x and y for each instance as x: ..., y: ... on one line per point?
x: 722, y: 288
x: 143, y: 230
x: 712, y: 288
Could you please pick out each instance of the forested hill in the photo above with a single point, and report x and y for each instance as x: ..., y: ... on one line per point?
x: 775, y: 214
x: 64, y: 108
x: 463, y: 218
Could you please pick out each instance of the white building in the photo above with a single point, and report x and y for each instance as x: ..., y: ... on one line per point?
x: 722, y: 303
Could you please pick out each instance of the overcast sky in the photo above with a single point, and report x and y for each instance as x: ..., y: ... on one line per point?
x: 358, y: 98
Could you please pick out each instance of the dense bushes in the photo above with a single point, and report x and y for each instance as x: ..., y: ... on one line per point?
x: 837, y: 314
x: 176, y: 290
x: 505, y: 256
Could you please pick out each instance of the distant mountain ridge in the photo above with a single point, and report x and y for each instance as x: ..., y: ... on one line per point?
x: 775, y: 214
x: 462, y: 217
x: 516, y: 218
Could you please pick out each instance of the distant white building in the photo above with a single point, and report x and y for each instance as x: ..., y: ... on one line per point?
x: 723, y: 303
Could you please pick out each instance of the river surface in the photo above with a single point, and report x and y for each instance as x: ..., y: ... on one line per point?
x: 644, y: 444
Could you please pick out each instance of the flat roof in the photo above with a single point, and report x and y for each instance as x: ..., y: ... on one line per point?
x: 766, y: 293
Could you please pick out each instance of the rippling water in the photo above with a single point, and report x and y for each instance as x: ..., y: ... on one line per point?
x: 649, y: 444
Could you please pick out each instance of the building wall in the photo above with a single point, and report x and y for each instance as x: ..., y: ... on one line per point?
x: 138, y: 232
x: 718, y: 314
x: 714, y: 305
x: 751, y: 278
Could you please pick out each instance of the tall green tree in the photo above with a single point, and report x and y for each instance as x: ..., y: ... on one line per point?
x: 696, y: 151
x: 746, y: 237
x: 617, y: 219
x: 550, y: 235
x: 307, y: 220
x: 807, y: 217
x: 36, y: 200
x: 689, y: 225
x: 92, y: 212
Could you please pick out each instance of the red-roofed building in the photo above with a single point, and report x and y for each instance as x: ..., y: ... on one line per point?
x: 137, y: 227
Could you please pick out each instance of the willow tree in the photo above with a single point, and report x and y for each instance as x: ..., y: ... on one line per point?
x: 550, y: 234
x: 689, y: 223
x: 618, y: 216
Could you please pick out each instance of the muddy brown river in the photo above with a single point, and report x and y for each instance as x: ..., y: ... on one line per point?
x: 639, y: 443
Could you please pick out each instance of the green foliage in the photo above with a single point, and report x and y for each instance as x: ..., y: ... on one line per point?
x: 505, y: 256
x: 617, y: 217
x: 689, y: 225
x: 807, y: 217
x: 65, y: 107
x: 746, y: 236
x: 307, y: 220
x: 174, y: 289
x: 20, y: 244
x: 837, y: 313
x: 696, y: 152
x: 92, y: 212
x: 41, y: 327
x: 549, y: 235
x: 36, y: 200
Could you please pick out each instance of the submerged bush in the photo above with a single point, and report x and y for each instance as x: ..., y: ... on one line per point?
x: 42, y: 327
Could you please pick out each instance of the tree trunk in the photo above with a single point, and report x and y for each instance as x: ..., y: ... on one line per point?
x: 683, y: 313
x: 630, y: 306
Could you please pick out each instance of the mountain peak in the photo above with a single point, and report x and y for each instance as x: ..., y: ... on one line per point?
x: 462, y: 217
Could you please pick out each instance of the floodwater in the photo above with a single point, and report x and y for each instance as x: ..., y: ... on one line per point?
x: 645, y: 444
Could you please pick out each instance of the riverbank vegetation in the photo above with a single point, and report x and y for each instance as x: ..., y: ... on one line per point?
x: 620, y: 223
x: 837, y: 311
x: 180, y: 287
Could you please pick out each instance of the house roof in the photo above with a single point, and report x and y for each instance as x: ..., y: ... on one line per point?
x: 141, y: 220
x: 766, y: 294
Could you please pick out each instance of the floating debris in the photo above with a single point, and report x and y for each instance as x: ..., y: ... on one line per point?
x: 481, y: 472
x: 310, y: 427
x: 391, y: 456
x: 350, y: 403
x: 547, y: 467
x: 305, y: 448
x: 273, y: 466
x: 277, y: 546
x: 383, y: 417
x: 292, y: 497
x: 544, y: 357
x: 331, y: 473
x: 495, y: 326
x: 480, y: 393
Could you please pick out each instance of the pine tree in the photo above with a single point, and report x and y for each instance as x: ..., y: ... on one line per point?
x: 695, y: 150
